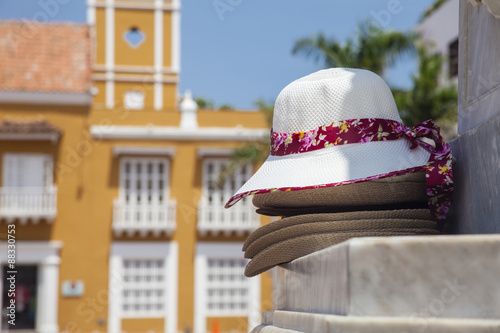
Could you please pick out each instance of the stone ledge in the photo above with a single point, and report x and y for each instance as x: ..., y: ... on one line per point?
x: 415, y: 276
x: 291, y: 322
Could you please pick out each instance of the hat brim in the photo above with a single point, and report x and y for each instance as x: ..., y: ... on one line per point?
x: 333, y: 165
x: 406, y: 188
x: 354, y: 226
x: 399, y: 214
x: 293, y: 248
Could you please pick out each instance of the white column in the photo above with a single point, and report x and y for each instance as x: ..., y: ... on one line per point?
x: 47, y: 298
x: 110, y: 54
x: 172, y: 288
x: 91, y: 12
x: 115, y: 287
x: 158, y: 58
x: 200, y: 302
x: 255, y: 302
x: 176, y: 36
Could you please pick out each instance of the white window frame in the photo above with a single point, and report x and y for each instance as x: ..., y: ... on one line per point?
x: 24, y: 201
x: 214, y: 218
x: 166, y: 175
x: 46, y: 256
x: 142, y: 250
x: 239, y: 178
x: 48, y: 165
x: 221, y: 250
x: 166, y: 207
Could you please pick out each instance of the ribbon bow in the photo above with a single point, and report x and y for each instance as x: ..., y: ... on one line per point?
x: 438, y: 171
x: 426, y: 129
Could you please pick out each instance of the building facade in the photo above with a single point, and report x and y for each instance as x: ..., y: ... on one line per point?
x: 112, y: 182
x: 440, y: 30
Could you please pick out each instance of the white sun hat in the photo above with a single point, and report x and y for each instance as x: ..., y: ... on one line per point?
x: 325, y: 97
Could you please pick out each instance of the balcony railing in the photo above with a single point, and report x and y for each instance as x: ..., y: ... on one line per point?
x: 155, y: 218
x: 28, y: 203
x: 216, y: 219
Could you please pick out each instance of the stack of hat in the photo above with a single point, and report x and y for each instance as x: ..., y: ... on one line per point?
x: 342, y: 165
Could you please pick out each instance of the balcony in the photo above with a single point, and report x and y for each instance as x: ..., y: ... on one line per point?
x: 155, y: 218
x: 216, y: 219
x: 28, y: 203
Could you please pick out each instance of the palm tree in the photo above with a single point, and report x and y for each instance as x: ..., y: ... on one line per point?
x: 435, y: 6
x: 204, y: 103
x: 428, y: 99
x: 251, y: 152
x: 372, y: 48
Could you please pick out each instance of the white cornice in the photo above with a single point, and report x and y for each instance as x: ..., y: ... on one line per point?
x: 141, y: 250
x: 133, y: 78
x: 176, y: 133
x: 54, y: 137
x: 34, y: 251
x: 202, y: 152
x: 167, y: 7
x: 53, y: 98
x: 137, y: 150
x: 133, y: 69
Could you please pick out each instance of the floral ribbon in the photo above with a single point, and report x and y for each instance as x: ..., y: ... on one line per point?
x: 439, y: 177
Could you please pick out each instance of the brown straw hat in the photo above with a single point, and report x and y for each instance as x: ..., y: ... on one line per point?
x: 374, y: 225
x: 406, y: 189
x: 293, y: 248
x: 403, y: 214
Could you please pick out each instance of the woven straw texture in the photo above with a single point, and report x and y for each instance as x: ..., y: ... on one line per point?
x: 403, y: 214
x: 332, y: 95
x: 406, y: 188
x: 303, y: 229
x: 297, y: 247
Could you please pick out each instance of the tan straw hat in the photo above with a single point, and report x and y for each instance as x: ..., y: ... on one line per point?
x: 354, y: 226
x: 293, y: 248
x: 385, y: 215
x: 386, y: 192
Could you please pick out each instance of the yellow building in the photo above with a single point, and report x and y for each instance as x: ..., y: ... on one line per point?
x: 109, y: 181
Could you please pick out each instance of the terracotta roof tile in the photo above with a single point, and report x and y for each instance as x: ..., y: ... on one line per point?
x: 44, y: 57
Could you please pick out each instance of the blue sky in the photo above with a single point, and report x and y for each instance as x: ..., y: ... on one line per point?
x: 237, y: 51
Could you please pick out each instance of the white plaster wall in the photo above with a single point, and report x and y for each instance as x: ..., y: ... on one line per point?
x: 442, y: 26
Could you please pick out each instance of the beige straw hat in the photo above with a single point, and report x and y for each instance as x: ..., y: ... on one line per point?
x: 327, y: 97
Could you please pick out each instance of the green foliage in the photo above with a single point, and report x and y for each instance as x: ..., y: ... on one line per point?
x: 226, y: 107
x: 435, y: 6
x: 251, y: 152
x: 427, y: 99
x: 371, y: 48
x: 204, y: 103
x: 267, y: 109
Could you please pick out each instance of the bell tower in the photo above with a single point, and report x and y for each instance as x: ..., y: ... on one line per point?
x: 136, y: 53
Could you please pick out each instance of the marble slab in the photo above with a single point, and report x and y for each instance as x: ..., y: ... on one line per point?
x: 476, y: 198
x: 290, y: 322
x: 453, y: 276
x: 479, y: 79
